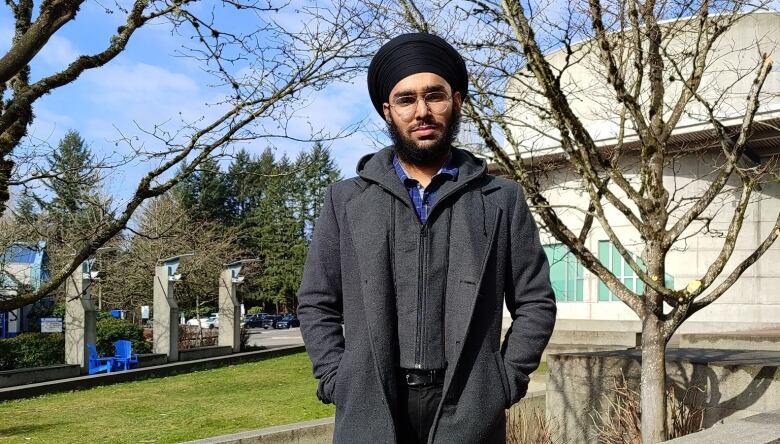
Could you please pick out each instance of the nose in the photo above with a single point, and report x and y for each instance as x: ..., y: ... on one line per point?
x: 421, y: 110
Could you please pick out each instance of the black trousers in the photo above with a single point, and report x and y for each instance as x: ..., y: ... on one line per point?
x: 417, y: 407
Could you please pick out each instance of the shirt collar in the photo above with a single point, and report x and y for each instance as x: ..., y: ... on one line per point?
x: 448, y: 170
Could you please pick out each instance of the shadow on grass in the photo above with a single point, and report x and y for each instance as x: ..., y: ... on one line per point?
x: 14, y: 431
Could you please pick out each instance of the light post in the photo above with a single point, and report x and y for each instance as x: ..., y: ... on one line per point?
x: 229, y: 306
x: 166, y: 310
x: 80, y: 314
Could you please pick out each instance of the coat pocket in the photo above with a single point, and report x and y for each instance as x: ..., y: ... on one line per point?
x: 341, y: 373
x: 504, y: 379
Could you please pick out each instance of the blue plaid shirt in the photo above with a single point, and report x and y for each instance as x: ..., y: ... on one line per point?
x: 423, y: 198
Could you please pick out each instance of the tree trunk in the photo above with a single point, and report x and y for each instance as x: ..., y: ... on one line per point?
x: 5, y: 175
x: 653, y: 402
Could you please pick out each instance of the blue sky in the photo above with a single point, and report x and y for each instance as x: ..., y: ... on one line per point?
x: 148, y: 84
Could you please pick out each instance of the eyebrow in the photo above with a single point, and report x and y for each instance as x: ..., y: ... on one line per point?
x: 411, y: 92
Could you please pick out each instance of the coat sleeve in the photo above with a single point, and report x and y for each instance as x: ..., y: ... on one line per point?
x: 529, y: 298
x: 320, y: 301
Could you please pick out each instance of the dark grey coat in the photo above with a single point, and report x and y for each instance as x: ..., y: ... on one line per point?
x: 495, y: 256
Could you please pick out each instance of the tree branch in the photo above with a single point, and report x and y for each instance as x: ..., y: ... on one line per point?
x: 733, y: 153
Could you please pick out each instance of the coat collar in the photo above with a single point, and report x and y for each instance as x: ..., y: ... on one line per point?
x: 378, y: 168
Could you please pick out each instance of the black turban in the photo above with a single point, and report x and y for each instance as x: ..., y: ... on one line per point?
x: 410, y: 54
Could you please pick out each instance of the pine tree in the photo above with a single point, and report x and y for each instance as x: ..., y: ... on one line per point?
x: 73, y: 175
x: 322, y: 172
x: 239, y: 181
x: 206, y: 193
x: 77, y: 206
x: 26, y: 211
x: 272, y: 231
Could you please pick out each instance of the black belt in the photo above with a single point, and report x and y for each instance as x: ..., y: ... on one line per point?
x: 420, y: 378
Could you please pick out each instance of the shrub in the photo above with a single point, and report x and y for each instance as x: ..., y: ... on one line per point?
x: 32, y: 350
x: 530, y: 426
x: 99, y: 315
x: 7, y: 360
x: 58, y: 310
x: 255, y: 310
x: 111, y: 329
x: 621, y: 423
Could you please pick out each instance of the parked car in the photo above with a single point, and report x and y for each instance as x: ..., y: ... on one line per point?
x: 206, y: 322
x: 269, y: 321
x: 289, y: 320
x: 255, y: 320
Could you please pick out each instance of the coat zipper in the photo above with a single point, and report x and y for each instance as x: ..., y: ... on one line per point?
x: 420, y: 296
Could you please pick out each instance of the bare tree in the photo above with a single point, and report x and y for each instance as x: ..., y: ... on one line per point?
x: 267, y: 74
x: 163, y: 228
x: 598, y: 107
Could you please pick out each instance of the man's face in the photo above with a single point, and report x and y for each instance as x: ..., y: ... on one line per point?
x: 423, y: 133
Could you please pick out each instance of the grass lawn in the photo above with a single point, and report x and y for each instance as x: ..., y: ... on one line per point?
x: 172, y: 409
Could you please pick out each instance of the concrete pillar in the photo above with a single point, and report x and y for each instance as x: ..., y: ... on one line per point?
x: 166, y: 311
x: 80, y: 316
x: 229, y: 308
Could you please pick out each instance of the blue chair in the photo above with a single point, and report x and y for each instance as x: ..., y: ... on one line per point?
x: 97, y: 363
x: 123, y: 354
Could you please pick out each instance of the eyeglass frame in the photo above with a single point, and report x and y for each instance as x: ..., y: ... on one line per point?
x: 427, y: 105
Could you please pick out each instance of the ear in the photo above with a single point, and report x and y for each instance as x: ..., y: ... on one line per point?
x: 386, y: 112
x: 457, y: 101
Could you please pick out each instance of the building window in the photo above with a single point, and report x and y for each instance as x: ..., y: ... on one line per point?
x: 611, y: 258
x: 566, y: 273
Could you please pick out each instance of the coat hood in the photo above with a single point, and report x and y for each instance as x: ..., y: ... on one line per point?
x: 378, y: 167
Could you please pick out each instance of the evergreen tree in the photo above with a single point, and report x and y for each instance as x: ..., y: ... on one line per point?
x: 77, y: 207
x: 239, y: 181
x: 272, y: 232
x: 73, y: 175
x: 322, y: 171
x: 315, y: 170
x: 26, y: 211
x: 206, y: 193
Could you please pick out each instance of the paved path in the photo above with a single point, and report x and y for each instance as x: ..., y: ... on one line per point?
x: 273, y: 338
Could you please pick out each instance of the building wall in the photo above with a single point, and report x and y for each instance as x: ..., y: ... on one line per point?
x: 752, y: 302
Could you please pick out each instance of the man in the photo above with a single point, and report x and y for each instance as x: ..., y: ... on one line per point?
x: 416, y: 255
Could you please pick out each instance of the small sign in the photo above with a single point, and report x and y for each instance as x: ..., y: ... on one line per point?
x: 51, y: 325
x: 144, y: 312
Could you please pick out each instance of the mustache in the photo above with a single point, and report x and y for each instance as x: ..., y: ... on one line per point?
x: 423, y: 123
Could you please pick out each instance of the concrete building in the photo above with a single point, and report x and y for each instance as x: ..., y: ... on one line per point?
x: 20, y: 264
x: 584, y: 302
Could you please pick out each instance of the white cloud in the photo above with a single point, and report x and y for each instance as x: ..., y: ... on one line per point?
x: 126, y: 83
x: 50, y: 126
x: 58, y: 52
x: 129, y: 94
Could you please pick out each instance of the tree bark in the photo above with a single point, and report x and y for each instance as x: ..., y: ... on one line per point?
x: 5, y: 176
x: 653, y: 379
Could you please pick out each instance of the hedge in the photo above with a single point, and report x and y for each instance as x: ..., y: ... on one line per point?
x: 111, y: 329
x: 32, y: 350
x: 41, y: 349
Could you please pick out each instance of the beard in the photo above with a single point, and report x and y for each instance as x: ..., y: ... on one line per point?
x: 410, y: 152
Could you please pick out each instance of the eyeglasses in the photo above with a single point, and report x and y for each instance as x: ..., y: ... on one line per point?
x: 438, y: 102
